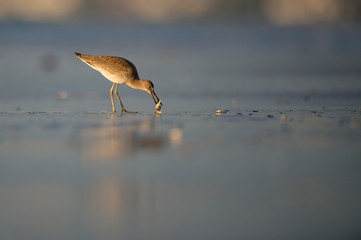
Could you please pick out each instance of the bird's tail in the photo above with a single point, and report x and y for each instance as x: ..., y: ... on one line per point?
x: 77, y: 54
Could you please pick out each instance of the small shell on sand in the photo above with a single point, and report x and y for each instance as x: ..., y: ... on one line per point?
x: 219, y: 112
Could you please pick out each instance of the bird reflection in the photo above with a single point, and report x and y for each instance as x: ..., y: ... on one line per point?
x: 117, y: 138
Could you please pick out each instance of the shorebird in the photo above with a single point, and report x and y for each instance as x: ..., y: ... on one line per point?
x: 119, y: 71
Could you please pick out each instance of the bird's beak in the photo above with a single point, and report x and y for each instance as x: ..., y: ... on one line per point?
x: 154, y: 96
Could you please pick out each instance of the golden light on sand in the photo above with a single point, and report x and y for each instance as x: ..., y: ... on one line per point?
x: 39, y: 10
x: 304, y: 12
x: 176, y: 136
x: 160, y: 10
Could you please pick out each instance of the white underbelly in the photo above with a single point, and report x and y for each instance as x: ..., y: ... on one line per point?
x: 113, y: 78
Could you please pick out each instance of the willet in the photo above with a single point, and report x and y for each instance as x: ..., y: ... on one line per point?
x: 120, y: 71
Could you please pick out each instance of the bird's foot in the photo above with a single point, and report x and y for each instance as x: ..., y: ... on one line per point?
x: 126, y: 111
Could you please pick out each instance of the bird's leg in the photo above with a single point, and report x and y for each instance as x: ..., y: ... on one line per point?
x: 116, y: 94
x: 111, y: 97
x: 121, y: 104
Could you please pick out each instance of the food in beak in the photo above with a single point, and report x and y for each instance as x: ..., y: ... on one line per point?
x: 158, y: 106
x: 157, y: 101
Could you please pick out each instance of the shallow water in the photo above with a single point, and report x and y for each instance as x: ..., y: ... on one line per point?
x: 279, y: 172
x: 281, y: 161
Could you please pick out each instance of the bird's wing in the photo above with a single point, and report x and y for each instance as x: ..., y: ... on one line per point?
x: 113, y: 65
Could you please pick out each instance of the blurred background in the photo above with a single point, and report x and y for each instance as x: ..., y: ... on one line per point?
x: 280, y: 12
x: 281, y: 161
x: 188, y: 48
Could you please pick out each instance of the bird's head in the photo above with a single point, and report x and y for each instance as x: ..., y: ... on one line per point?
x: 149, y: 87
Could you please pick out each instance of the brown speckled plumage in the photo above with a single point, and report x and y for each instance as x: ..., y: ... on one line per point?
x: 119, y: 71
x: 118, y: 66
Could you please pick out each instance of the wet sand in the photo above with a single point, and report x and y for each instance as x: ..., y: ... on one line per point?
x: 276, y: 172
